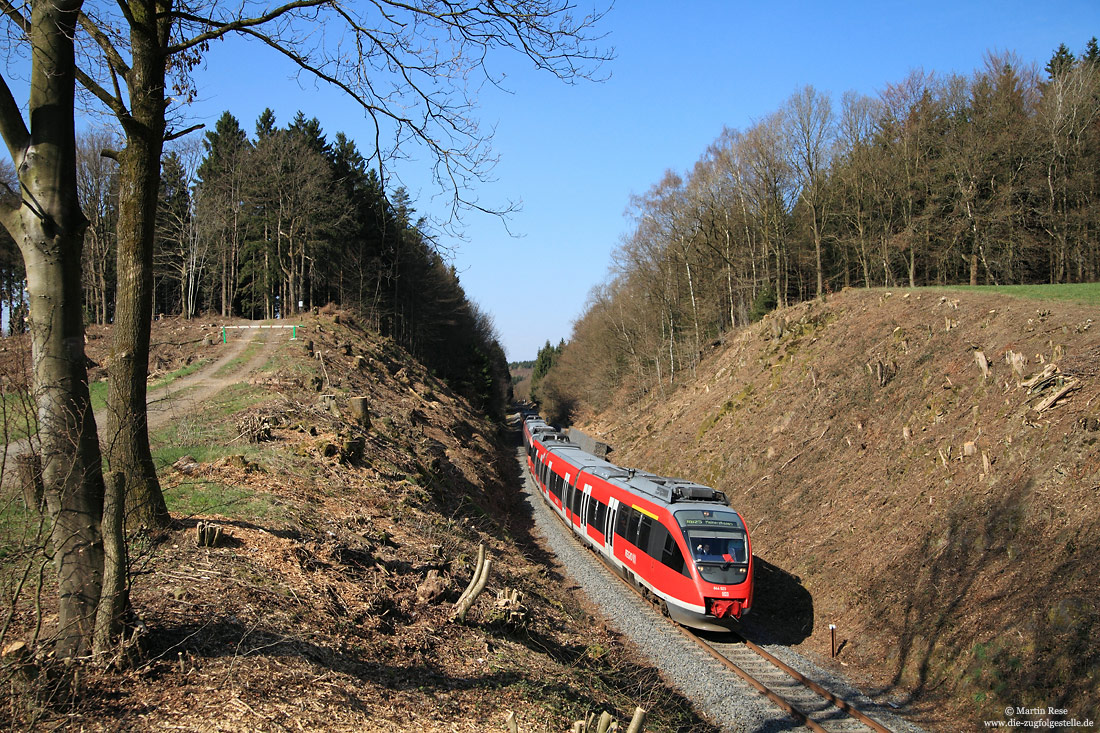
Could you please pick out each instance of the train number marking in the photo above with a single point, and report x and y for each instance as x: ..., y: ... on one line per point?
x: 631, y: 556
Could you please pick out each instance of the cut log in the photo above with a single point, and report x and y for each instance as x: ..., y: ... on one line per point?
x: 1048, y: 371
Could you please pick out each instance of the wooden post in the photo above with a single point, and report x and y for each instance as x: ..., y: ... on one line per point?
x: 637, y: 723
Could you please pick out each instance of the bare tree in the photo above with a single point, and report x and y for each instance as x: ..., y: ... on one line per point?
x: 770, y: 190
x: 808, y: 125
x: 184, y: 253
x: 44, y: 218
x: 855, y: 176
x: 1064, y: 120
x: 97, y: 185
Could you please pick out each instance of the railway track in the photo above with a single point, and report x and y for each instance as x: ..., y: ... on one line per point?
x: 799, y: 698
x: 802, y: 698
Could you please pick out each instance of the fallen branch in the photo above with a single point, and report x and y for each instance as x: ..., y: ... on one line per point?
x: 476, y: 586
x: 1049, y: 401
x: 1048, y: 371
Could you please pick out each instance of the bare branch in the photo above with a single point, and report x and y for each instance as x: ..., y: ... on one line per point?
x: 13, y: 14
x: 115, y: 60
x: 170, y: 136
x: 220, y: 29
x: 112, y: 101
x: 12, y: 125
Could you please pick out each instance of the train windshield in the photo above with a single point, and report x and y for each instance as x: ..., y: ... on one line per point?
x: 717, y: 543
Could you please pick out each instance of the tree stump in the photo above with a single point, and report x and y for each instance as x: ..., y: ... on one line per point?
x: 328, y: 402
x: 353, y: 449
x: 982, y: 362
x: 474, y: 589
x: 207, y: 534
x: 360, y: 411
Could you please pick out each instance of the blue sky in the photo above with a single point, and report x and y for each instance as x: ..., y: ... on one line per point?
x: 574, y: 154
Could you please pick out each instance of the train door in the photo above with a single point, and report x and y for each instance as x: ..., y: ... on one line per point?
x: 609, y: 530
x: 567, y: 498
x: 585, y: 503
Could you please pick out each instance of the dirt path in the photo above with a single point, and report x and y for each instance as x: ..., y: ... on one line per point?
x: 183, y: 395
x: 188, y: 393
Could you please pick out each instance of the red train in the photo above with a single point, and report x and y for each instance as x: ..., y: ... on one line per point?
x: 676, y: 540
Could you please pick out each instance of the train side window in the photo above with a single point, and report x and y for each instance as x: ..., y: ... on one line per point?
x: 621, y: 521
x: 672, y: 556
x: 633, y: 518
x: 597, y: 511
x: 645, y: 526
x: 656, y: 540
x: 578, y: 500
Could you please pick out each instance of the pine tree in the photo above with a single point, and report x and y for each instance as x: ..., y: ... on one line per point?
x: 1061, y: 62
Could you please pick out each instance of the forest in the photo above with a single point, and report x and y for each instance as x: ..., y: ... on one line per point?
x: 939, y: 179
x: 278, y: 223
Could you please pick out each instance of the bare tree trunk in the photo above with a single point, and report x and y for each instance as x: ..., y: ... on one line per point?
x: 127, y: 418
x: 114, y: 601
x: 47, y: 224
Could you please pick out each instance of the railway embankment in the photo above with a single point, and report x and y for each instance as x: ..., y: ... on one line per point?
x: 920, y: 469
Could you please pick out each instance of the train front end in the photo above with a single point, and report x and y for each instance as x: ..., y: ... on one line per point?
x: 721, y: 553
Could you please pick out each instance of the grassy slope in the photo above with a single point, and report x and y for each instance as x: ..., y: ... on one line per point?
x: 839, y: 429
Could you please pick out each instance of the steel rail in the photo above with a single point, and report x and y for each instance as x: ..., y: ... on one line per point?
x: 802, y: 679
x: 786, y: 705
